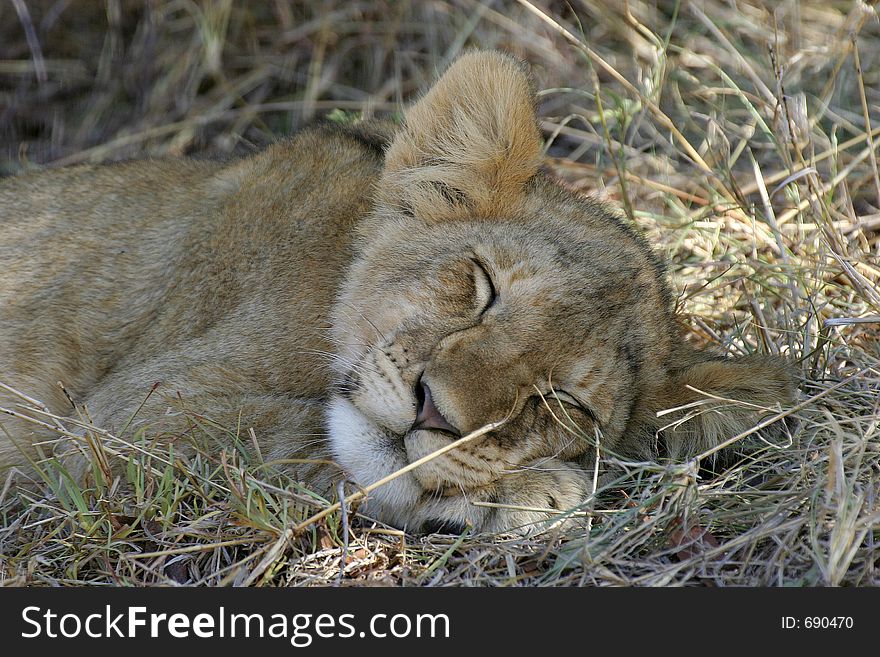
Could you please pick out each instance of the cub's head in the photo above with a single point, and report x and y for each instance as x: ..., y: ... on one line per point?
x: 482, y: 292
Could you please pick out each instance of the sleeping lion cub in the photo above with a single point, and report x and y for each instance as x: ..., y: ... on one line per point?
x: 364, y: 295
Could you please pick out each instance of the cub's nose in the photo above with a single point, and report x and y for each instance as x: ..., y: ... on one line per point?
x: 427, y: 415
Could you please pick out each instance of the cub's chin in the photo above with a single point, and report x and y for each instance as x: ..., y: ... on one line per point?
x: 367, y: 452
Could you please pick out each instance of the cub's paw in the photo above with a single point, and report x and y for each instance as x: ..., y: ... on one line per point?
x: 538, y: 496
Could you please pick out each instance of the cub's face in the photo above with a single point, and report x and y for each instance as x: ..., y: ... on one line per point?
x: 445, y: 328
x: 484, y: 292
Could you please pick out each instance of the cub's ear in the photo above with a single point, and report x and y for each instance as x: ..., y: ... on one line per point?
x: 711, y: 400
x: 469, y: 145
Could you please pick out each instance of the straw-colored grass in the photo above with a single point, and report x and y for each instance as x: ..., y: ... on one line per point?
x: 741, y: 136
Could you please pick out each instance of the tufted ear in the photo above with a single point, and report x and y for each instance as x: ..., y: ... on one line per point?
x: 469, y: 145
x: 708, y: 400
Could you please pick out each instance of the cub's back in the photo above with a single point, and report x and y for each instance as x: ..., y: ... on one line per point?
x: 89, y: 254
x: 107, y: 266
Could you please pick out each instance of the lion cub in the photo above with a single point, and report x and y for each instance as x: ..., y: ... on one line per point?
x: 364, y: 295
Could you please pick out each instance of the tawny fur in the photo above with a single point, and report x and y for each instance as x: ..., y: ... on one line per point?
x: 308, y: 290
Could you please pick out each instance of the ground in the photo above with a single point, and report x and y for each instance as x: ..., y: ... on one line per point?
x: 741, y: 136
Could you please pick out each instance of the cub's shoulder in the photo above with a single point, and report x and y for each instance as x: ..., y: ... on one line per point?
x: 373, y: 136
x: 338, y: 159
x: 339, y: 142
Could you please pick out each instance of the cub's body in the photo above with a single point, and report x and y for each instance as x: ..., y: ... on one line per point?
x: 217, y: 275
x: 362, y: 295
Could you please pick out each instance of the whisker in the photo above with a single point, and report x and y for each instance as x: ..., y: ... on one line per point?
x: 366, y: 319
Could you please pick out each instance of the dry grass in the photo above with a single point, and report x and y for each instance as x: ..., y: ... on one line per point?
x: 741, y: 137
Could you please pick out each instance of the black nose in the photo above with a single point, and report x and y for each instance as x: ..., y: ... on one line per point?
x: 427, y: 415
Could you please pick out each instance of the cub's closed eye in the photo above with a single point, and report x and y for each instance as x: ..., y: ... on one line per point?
x: 485, y: 287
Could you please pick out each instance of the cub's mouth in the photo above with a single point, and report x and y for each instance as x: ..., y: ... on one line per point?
x: 371, y: 448
x: 442, y: 495
x: 369, y: 452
